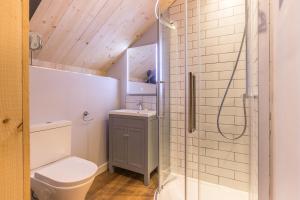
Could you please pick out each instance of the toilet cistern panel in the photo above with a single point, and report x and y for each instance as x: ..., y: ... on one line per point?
x: 49, y: 142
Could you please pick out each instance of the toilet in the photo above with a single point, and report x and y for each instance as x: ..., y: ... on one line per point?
x: 55, y: 174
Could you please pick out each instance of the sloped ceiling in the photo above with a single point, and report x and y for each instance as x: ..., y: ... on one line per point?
x: 90, y: 33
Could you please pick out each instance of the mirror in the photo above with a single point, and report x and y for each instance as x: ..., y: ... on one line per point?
x: 141, y: 68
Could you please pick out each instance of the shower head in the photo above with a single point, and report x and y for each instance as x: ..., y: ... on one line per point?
x: 161, y: 20
x: 167, y: 24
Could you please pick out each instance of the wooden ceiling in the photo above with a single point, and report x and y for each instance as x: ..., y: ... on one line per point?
x: 90, y: 33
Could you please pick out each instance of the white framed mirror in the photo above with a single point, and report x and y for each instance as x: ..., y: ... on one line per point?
x: 141, y: 70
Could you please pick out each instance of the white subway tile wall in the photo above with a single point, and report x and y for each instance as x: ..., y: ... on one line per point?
x: 214, y: 38
x: 149, y: 102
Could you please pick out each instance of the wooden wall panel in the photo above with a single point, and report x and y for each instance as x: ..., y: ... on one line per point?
x: 25, y: 100
x: 90, y: 34
x: 14, y: 174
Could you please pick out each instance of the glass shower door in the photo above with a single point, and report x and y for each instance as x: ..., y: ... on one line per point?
x: 178, y: 167
x: 208, y: 73
x: 171, y: 108
x: 163, y: 105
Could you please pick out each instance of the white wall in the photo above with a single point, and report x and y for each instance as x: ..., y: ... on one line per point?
x: 59, y: 95
x: 286, y: 100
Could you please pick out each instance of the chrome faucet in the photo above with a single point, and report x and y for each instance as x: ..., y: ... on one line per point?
x: 140, y: 105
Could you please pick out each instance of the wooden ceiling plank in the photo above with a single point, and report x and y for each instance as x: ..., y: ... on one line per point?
x: 95, y: 26
x: 108, y: 56
x: 39, y: 15
x: 125, y: 33
x: 48, y: 16
x: 91, y: 33
x: 108, y: 30
x: 129, y: 11
x: 78, y: 29
x: 104, y: 54
x: 74, y: 16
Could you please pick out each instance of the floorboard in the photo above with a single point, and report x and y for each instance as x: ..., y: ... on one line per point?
x: 122, y: 185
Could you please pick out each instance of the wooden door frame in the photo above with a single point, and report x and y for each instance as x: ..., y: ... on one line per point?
x: 25, y: 99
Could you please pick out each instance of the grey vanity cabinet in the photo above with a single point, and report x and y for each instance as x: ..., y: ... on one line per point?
x: 133, y: 144
x: 119, y: 135
x: 136, y: 149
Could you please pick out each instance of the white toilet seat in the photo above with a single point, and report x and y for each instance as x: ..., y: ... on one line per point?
x: 67, y: 172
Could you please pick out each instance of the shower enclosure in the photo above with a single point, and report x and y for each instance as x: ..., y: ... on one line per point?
x: 208, y: 100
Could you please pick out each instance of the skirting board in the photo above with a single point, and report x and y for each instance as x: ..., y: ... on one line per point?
x: 102, y: 168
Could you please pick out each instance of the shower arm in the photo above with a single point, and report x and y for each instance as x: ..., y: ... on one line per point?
x: 156, y: 9
x: 160, y: 19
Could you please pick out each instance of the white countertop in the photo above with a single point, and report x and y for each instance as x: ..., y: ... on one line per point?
x: 136, y: 113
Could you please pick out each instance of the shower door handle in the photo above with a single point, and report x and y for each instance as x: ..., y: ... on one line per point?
x: 192, y: 103
x: 158, y: 106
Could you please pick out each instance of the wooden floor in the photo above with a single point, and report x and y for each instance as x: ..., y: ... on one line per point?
x: 122, y: 185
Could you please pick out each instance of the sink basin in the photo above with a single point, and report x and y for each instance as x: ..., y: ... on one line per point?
x: 137, y: 113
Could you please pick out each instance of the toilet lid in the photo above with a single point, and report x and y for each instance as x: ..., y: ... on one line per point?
x: 67, y: 172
